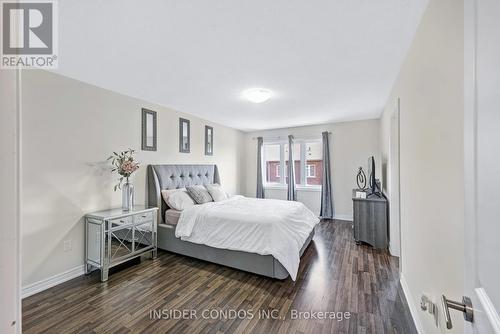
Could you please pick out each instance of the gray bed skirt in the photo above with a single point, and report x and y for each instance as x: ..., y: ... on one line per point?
x: 265, y: 265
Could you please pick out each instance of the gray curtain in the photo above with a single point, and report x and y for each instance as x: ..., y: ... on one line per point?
x: 327, y: 208
x: 291, y: 193
x: 260, y: 184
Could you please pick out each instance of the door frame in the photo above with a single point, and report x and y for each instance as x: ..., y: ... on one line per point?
x: 394, y: 182
x: 11, y: 205
x: 470, y: 144
x: 483, y: 307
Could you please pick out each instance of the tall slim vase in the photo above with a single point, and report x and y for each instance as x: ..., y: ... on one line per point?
x: 128, y: 196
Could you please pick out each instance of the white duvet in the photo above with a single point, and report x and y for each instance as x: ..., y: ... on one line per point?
x: 262, y: 226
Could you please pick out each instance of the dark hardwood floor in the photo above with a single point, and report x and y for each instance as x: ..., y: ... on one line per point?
x: 335, y: 275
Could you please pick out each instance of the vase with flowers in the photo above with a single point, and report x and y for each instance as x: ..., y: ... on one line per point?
x: 125, y: 165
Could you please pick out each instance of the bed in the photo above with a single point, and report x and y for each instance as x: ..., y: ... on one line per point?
x: 165, y: 177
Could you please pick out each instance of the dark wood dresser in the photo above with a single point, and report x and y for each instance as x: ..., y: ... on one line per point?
x: 370, y: 220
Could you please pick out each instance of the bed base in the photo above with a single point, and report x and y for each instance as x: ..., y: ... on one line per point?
x: 265, y: 265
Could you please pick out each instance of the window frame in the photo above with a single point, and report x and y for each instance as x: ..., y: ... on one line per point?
x: 309, y: 168
x: 282, y: 163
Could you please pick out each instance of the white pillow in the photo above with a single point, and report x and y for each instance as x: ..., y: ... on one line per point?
x: 216, y: 191
x: 177, y: 199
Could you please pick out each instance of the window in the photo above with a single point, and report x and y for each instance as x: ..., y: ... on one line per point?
x: 307, y: 160
x: 311, y: 170
x: 314, y: 162
x: 272, y: 159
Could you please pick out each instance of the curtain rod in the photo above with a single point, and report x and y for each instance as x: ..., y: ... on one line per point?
x: 286, y: 137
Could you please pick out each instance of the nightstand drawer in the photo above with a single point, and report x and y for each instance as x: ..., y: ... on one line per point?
x: 120, y: 222
x: 143, y: 217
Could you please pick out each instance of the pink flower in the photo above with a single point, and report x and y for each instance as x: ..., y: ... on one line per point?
x: 128, y: 167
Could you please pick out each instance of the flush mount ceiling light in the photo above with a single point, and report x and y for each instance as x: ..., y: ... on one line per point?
x: 257, y: 95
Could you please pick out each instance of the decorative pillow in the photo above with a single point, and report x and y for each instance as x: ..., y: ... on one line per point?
x: 216, y: 191
x: 199, y: 193
x: 177, y: 199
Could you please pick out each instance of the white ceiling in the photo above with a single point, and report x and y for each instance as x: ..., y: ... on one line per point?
x: 325, y: 60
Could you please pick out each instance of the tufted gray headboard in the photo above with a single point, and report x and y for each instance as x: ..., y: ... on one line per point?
x: 161, y: 177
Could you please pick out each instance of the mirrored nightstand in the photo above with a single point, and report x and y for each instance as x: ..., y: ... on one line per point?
x: 115, y: 236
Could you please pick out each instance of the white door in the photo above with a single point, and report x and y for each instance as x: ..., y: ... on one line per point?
x: 482, y: 164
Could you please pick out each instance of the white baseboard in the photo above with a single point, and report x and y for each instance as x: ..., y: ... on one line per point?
x: 49, y: 282
x: 393, y: 253
x: 489, y: 309
x: 410, y: 301
x: 344, y: 217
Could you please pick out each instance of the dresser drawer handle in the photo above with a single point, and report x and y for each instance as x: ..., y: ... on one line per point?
x: 144, y: 216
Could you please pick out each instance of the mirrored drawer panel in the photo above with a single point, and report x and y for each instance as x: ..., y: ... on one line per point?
x: 143, y: 218
x: 120, y: 222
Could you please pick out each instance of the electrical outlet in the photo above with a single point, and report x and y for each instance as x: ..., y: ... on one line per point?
x: 67, y: 245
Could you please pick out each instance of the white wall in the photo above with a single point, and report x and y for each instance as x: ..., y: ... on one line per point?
x: 351, y: 143
x: 69, y: 129
x: 430, y: 87
x: 9, y: 203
